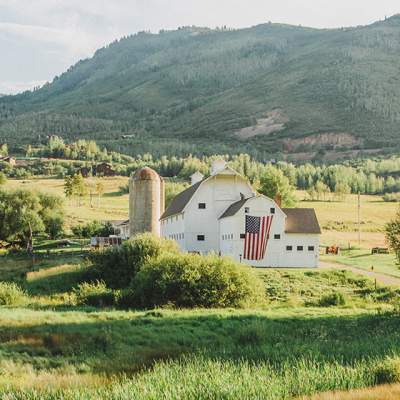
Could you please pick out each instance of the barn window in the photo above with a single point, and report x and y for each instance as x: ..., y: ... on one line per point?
x: 277, y: 237
x: 201, y: 238
x: 202, y: 206
x: 311, y: 248
x: 300, y: 248
x: 289, y: 248
x: 242, y: 236
x: 272, y: 210
x: 246, y: 210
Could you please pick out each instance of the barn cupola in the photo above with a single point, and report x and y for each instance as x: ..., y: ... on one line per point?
x: 217, y: 166
x: 196, y: 177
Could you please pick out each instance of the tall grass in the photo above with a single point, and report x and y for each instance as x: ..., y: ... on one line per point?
x: 199, y: 377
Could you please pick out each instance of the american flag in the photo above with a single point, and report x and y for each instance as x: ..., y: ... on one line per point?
x: 256, y: 238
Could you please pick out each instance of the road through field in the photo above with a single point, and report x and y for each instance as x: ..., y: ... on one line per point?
x: 382, y: 278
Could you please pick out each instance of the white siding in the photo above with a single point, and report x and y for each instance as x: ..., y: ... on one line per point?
x: 223, y: 235
x: 218, y: 193
x: 174, y: 228
x: 276, y: 253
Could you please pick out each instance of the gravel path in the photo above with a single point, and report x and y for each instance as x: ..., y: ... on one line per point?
x: 381, y: 278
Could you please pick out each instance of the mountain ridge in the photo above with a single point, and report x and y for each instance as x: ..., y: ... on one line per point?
x: 197, y: 90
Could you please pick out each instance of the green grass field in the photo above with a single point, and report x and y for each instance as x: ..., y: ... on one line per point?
x: 295, y: 345
x: 113, y: 205
x: 292, y: 346
x: 383, y: 263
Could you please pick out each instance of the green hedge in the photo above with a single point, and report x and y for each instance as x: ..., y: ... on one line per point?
x: 187, y: 280
x: 117, y: 266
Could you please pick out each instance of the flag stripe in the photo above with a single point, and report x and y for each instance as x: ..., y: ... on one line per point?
x: 256, y: 236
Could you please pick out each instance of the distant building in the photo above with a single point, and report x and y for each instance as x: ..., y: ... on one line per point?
x: 85, y: 171
x: 103, y: 169
x: 121, y: 228
x: 223, y: 214
x: 10, y: 160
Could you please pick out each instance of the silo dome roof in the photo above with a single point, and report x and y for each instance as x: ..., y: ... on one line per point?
x: 146, y: 174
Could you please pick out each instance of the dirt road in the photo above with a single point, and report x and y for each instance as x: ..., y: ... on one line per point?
x: 381, y: 278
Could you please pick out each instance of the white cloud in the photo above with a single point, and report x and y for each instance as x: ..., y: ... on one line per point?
x: 10, y: 87
x: 77, y: 42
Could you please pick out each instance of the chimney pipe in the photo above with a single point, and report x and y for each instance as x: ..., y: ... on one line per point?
x: 196, y: 177
x: 278, y: 200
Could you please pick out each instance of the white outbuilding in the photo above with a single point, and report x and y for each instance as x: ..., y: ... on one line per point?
x: 223, y: 214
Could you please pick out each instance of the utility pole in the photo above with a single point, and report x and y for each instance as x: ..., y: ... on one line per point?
x: 359, y: 218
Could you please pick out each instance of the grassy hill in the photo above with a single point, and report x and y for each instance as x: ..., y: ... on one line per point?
x: 266, y: 90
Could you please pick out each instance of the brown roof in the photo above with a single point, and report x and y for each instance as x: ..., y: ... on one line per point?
x: 179, y: 203
x: 146, y: 174
x: 301, y: 220
x: 234, y: 208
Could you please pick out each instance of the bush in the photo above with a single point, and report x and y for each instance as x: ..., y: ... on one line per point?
x: 187, y: 280
x: 92, y: 229
x: 332, y: 299
x: 117, y: 266
x: 95, y: 294
x: 11, y: 294
x: 388, y: 371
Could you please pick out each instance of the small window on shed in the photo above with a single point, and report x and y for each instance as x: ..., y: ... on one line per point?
x: 300, y: 248
x: 202, y: 206
x: 277, y: 237
x: 201, y: 238
x: 246, y: 210
x: 311, y: 248
x: 289, y: 248
x: 272, y: 210
x: 242, y: 236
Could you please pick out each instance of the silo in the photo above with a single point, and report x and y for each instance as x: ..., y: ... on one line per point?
x: 146, y: 202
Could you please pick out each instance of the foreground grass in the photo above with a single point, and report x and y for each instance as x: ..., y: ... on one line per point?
x: 291, y: 347
x: 197, y: 354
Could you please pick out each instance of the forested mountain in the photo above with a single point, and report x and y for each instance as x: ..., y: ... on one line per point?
x: 267, y: 90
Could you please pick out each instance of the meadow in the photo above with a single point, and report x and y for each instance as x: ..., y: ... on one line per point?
x: 298, y: 343
x: 319, y: 330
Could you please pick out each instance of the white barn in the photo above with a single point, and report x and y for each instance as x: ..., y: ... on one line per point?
x: 210, y: 216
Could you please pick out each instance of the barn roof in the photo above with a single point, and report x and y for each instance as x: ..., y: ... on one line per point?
x: 301, y: 220
x: 179, y: 202
x: 234, y: 208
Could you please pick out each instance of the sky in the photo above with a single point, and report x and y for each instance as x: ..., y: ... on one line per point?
x: 40, y: 39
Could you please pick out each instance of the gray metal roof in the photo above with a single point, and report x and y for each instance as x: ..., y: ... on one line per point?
x: 179, y: 203
x: 234, y: 208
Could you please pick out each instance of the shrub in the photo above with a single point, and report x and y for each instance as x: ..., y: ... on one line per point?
x: 187, y: 280
x: 11, y: 294
x: 117, y: 266
x: 332, y: 299
x: 388, y: 371
x: 93, y: 228
x: 95, y: 294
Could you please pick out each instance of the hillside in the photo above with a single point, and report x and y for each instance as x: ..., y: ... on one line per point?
x: 266, y: 90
